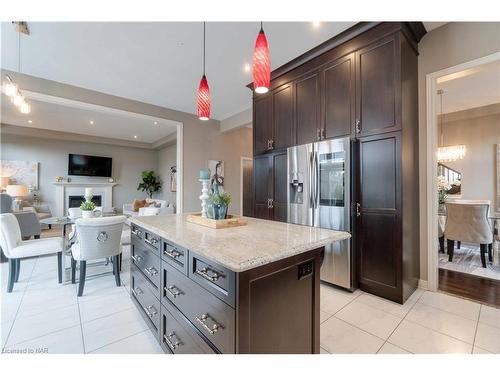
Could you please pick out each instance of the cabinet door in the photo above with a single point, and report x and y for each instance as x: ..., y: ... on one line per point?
x: 280, y: 171
x: 262, y: 183
x: 378, y: 87
x: 378, y: 224
x: 338, y: 97
x: 307, y: 105
x: 283, y: 117
x: 263, y: 123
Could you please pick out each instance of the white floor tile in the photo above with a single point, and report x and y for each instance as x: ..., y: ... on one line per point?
x: 140, y: 343
x: 389, y: 306
x: 389, y: 348
x: 105, y: 305
x: 323, y: 316
x: 9, y: 305
x: 444, y: 322
x: 333, y: 299
x: 421, y: 340
x: 5, y: 327
x: 341, y: 338
x: 323, y: 351
x: 98, y: 287
x: 31, y: 327
x: 490, y: 315
x: 488, y: 338
x: 478, y: 350
x: 454, y: 305
x: 66, y: 341
x: 375, y: 321
x: 104, y: 331
x: 40, y: 300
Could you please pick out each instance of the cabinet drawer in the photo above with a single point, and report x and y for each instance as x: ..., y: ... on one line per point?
x: 136, y: 232
x: 213, y: 277
x: 152, y: 242
x: 211, y: 316
x: 175, y: 255
x: 178, y: 335
x: 146, y: 262
x: 140, y: 291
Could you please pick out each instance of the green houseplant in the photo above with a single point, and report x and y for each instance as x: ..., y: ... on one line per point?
x: 150, y: 183
x: 218, y: 205
x: 87, y: 208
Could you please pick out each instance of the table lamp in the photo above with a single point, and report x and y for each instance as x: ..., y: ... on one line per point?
x: 17, y: 192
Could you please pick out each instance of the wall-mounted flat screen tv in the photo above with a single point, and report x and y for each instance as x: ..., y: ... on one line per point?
x: 87, y: 165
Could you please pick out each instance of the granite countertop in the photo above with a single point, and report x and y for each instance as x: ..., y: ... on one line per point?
x: 240, y: 248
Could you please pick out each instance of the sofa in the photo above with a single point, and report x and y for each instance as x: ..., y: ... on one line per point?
x: 165, y: 208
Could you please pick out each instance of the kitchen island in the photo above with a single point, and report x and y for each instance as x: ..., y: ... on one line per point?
x: 249, y: 289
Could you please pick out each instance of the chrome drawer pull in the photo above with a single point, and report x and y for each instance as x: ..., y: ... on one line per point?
x: 204, y: 272
x: 173, y: 291
x: 137, y: 232
x: 202, y: 320
x: 153, y: 242
x: 137, y: 291
x: 171, y: 344
x: 152, y: 311
x: 151, y: 271
x: 172, y: 254
x: 137, y: 258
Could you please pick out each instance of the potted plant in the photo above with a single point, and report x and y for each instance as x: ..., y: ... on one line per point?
x: 218, y: 205
x: 87, y: 208
x: 443, y: 188
x: 150, y: 183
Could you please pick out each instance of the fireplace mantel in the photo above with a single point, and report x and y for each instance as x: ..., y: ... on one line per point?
x: 64, y: 189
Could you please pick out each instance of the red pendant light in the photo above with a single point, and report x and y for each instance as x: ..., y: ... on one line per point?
x: 261, y: 64
x: 203, y: 99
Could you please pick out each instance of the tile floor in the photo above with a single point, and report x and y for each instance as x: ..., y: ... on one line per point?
x: 42, y: 315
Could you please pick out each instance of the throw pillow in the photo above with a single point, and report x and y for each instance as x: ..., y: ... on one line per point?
x: 138, y: 204
x: 155, y: 204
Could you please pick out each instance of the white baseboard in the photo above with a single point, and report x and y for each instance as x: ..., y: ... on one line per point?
x: 422, y: 284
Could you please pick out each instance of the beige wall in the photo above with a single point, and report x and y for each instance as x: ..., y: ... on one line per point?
x: 202, y: 140
x: 480, y: 136
x: 52, y: 156
x: 167, y: 157
x: 449, y: 45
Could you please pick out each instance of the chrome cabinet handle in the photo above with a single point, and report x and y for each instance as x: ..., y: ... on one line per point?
x: 204, y: 273
x: 173, y: 291
x: 137, y: 232
x: 172, y: 254
x: 323, y: 133
x: 172, y: 345
x: 151, y: 271
x: 152, y: 310
x: 203, y: 319
x: 358, y: 126
x: 358, y: 209
x: 137, y: 291
x: 271, y: 203
x: 318, y: 134
x: 151, y: 242
x: 137, y: 258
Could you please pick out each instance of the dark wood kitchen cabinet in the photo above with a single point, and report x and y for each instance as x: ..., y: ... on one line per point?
x: 362, y: 83
x: 307, y: 108
x: 270, y: 184
x: 262, y: 124
x: 338, y: 99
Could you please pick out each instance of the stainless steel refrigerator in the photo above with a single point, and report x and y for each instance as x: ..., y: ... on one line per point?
x: 319, y: 194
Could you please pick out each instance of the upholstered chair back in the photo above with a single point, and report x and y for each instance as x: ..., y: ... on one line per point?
x: 99, y: 237
x: 468, y: 222
x: 10, y: 233
x: 441, y: 224
x: 74, y: 212
x: 5, y: 203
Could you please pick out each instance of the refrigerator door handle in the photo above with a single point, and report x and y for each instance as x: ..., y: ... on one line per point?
x: 311, y: 181
x: 316, y: 180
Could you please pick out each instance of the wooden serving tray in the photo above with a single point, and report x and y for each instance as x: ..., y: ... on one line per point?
x: 230, y: 222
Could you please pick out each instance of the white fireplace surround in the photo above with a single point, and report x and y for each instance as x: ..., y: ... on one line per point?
x: 65, y: 189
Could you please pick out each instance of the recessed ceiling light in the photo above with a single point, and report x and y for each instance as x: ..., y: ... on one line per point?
x: 135, y: 136
x: 91, y: 122
x: 156, y: 122
x: 316, y: 24
x: 246, y: 67
x: 30, y: 121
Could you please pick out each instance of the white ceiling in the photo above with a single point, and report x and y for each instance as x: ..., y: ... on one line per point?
x: 76, y: 118
x: 471, y: 88
x: 159, y: 62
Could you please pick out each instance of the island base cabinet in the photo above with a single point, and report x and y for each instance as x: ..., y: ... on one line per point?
x: 278, y: 306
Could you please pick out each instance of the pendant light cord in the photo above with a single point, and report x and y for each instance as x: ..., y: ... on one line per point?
x: 203, y: 48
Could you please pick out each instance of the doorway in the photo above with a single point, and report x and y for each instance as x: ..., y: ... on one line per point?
x: 463, y: 177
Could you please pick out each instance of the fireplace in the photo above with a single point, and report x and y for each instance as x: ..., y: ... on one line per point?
x: 77, y: 200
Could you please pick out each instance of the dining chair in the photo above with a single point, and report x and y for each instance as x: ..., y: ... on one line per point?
x: 441, y: 224
x: 468, y: 222
x: 16, y: 249
x: 96, y: 238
